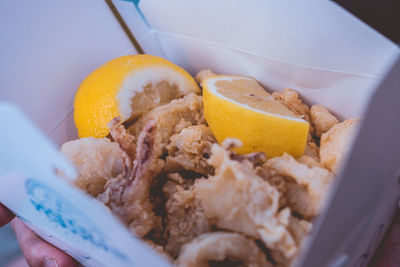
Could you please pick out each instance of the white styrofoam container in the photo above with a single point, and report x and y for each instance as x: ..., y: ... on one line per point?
x: 317, y: 48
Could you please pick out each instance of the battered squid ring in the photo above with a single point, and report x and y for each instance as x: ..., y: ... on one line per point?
x: 219, y: 246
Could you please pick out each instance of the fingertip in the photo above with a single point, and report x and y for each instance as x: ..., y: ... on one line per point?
x: 38, y: 252
x: 59, y: 261
x: 56, y: 257
x: 5, y: 215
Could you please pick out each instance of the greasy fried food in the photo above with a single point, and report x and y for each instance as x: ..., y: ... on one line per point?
x: 204, y: 74
x: 309, y: 184
x: 122, y: 137
x: 255, y: 158
x: 198, y: 202
x: 172, y: 118
x: 290, y: 98
x: 128, y: 195
x: 300, y: 229
x: 309, y: 161
x: 276, y: 180
x: 190, y: 150
x: 312, y: 150
x: 185, y: 217
x: 227, y: 249
x: 236, y: 199
x: 96, y: 160
x: 323, y: 119
x: 336, y: 143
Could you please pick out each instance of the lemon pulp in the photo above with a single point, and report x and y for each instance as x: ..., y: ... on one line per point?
x: 238, y: 107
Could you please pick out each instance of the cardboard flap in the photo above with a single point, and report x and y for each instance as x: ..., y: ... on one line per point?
x: 56, y: 210
x: 367, y: 190
x: 47, y: 49
x: 319, y: 49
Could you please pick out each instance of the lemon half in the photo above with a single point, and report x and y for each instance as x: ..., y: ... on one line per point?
x: 127, y: 86
x: 238, y: 107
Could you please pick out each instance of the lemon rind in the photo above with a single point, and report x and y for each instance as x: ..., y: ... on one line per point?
x: 136, y: 80
x: 210, y: 85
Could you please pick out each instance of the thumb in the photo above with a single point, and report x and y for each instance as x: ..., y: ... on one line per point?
x: 38, y: 252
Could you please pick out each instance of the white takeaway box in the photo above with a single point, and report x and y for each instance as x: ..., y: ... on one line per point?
x: 315, y: 47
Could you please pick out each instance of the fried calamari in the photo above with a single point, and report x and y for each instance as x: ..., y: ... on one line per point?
x: 97, y: 160
x: 335, y: 143
x: 190, y: 150
x: 128, y: 195
x: 200, y: 203
x: 225, y: 249
x: 236, y: 199
x: 185, y: 217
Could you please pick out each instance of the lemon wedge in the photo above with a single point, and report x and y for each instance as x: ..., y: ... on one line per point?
x: 239, y: 107
x: 127, y: 86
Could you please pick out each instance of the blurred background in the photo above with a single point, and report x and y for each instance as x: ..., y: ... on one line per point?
x: 382, y: 15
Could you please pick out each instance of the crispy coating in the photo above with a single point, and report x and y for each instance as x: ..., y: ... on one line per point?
x: 96, y: 160
x: 309, y: 161
x: 308, y: 185
x: 122, y: 137
x: 336, y: 143
x: 322, y: 119
x: 128, y: 195
x: 185, y: 217
x: 256, y: 158
x: 169, y: 181
x: 312, y: 150
x: 300, y: 230
x: 223, y: 248
x: 236, y: 199
x: 290, y: 98
x: 190, y: 150
x: 204, y: 74
x: 172, y: 118
x: 276, y: 180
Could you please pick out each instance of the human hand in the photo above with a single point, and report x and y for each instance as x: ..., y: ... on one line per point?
x: 5, y: 215
x: 37, y: 252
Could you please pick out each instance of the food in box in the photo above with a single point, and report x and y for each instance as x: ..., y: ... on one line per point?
x: 249, y: 200
x: 351, y: 59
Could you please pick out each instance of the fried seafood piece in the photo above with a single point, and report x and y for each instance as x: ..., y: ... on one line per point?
x: 300, y: 229
x: 255, y: 158
x: 185, y: 217
x: 336, y: 142
x: 276, y: 180
x: 178, y: 179
x: 128, y: 195
x: 204, y: 74
x: 96, y: 160
x: 311, y: 155
x: 190, y: 150
x: 290, y: 98
x: 312, y: 150
x: 122, y: 137
x: 309, y: 161
x: 236, y: 199
x: 307, y: 186
x: 223, y: 248
x: 171, y: 118
x: 322, y: 119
